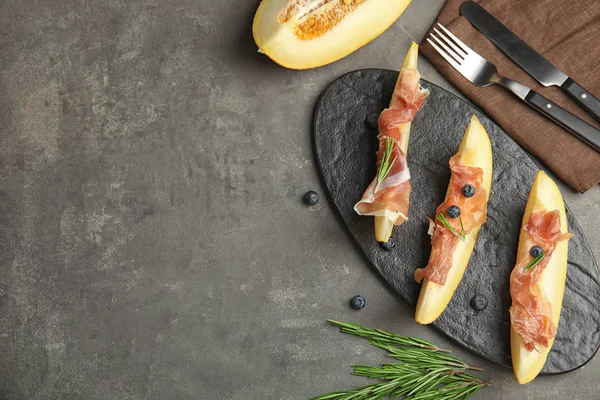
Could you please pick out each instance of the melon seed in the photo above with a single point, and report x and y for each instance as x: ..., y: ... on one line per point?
x: 326, y: 15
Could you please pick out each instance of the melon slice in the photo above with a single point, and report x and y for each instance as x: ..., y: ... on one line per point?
x: 544, y: 196
x: 385, y: 225
x: 301, y: 34
x: 476, y: 151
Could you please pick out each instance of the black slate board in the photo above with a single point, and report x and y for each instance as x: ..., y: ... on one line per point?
x: 345, y: 144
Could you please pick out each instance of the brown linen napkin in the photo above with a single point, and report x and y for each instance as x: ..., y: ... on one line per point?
x: 565, y: 32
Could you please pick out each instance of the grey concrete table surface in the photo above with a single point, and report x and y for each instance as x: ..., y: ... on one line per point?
x: 153, y: 244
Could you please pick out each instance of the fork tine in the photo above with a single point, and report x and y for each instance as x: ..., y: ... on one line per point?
x: 447, y: 49
x: 442, y: 53
x: 450, y: 43
x: 466, y: 49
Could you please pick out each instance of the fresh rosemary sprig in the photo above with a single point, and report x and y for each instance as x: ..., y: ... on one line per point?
x: 535, y: 261
x: 382, y: 337
x: 386, y: 166
x: 426, y: 372
x: 427, y: 358
x: 442, y: 218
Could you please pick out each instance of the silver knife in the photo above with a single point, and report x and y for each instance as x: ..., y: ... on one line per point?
x: 527, y: 58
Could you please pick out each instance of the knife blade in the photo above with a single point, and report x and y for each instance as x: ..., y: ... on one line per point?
x: 527, y: 58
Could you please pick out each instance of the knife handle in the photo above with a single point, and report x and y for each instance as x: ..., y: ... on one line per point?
x: 582, y: 97
x: 570, y: 122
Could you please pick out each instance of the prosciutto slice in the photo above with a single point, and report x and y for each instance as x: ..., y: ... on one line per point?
x: 390, y: 197
x: 531, y: 311
x: 473, y: 214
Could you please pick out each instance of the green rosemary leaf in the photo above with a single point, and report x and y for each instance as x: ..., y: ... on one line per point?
x: 462, y: 236
x: 386, y: 166
x: 433, y: 375
x: 384, y: 337
x: 534, y: 262
x: 332, y: 396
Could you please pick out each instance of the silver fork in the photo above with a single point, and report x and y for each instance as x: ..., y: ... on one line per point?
x: 483, y: 73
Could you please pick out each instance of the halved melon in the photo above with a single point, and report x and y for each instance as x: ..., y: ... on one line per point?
x: 544, y: 196
x: 476, y: 151
x: 301, y: 34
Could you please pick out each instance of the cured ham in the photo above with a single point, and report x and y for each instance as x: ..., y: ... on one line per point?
x: 531, y: 312
x: 390, y: 197
x: 473, y: 211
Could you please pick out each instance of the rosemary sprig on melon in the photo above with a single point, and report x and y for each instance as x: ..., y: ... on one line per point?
x: 383, y: 224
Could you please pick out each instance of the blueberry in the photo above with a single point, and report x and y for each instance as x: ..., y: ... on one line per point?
x: 536, y: 251
x: 357, y: 302
x: 479, y: 302
x: 453, y: 212
x: 311, y: 198
x: 387, y: 246
x: 468, y: 190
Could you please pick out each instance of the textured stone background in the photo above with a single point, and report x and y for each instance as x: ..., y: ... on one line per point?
x: 152, y: 240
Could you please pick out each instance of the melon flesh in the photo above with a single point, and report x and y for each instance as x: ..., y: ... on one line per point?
x: 301, y: 34
x: 476, y: 151
x: 385, y: 224
x: 544, y: 196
